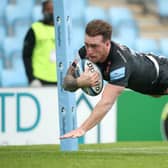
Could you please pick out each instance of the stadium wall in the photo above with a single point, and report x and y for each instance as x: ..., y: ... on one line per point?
x: 30, y: 116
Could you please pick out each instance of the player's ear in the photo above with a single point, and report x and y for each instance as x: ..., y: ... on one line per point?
x: 107, y: 42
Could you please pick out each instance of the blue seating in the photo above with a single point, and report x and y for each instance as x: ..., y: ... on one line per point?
x: 2, y: 8
x: 29, y: 2
x: 162, y: 6
x: 14, y: 76
x: 20, y: 29
x: 12, y: 45
x: 164, y: 46
x: 127, y: 33
x: 14, y: 13
x: 2, y: 34
x: 77, y: 38
x: 117, y: 15
x: 94, y: 12
x: 129, y: 42
x: 1, y: 69
x: 1, y: 52
x: 37, y: 13
x: 77, y: 8
x: 147, y: 45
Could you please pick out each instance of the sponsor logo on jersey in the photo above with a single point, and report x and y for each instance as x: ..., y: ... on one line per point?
x: 117, y: 74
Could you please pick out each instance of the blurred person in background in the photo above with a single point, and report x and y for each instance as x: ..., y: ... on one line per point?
x: 39, y: 55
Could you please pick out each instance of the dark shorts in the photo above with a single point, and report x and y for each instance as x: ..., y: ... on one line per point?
x: 162, y: 82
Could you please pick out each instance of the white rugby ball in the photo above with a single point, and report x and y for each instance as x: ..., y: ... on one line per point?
x: 81, y: 66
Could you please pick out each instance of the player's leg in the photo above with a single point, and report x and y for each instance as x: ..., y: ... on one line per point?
x: 163, y: 75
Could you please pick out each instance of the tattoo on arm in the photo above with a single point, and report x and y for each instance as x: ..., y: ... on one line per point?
x: 70, y: 82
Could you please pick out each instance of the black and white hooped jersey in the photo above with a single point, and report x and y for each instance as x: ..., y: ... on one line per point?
x: 125, y: 67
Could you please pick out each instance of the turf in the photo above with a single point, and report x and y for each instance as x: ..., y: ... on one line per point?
x: 116, y: 155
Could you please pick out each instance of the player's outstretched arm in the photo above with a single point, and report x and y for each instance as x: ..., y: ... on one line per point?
x: 109, y: 96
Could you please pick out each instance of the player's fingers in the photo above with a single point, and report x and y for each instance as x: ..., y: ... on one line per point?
x: 95, y: 79
x: 96, y: 76
x: 73, y: 134
x: 87, y: 70
x: 64, y: 137
x: 68, y: 135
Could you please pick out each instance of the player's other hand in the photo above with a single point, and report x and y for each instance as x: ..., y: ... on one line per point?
x: 73, y: 134
x: 88, y: 78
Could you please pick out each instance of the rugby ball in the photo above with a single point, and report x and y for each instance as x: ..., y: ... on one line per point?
x: 81, y: 66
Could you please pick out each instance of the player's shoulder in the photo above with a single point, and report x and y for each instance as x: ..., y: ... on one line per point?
x: 122, y: 47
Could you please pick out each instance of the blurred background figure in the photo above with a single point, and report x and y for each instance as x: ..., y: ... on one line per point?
x: 39, y: 55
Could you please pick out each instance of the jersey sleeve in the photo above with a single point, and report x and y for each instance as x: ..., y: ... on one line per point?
x: 119, y: 76
x: 121, y: 67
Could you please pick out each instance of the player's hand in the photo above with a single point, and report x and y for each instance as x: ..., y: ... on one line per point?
x: 73, y: 134
x: 88, y: 79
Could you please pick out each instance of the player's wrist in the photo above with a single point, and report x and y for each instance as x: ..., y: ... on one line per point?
x: 70, y: 83
x: 82, y: 130
x: 79, y: 82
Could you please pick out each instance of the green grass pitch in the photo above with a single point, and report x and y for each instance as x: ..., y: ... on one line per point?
x: 115, y: 155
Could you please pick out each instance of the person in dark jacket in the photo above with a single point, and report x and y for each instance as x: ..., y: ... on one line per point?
x: 39, y: 49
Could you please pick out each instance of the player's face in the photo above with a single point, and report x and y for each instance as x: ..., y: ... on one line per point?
x: 97, y: 49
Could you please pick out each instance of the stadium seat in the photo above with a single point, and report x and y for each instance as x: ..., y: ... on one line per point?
x: 2, y: 9
x: 26, y: 4
x: 117, y: 15
x: 1, y: 55
x: 94, y: 12
x: 77, y: 38
x: 14, y: 13
x: 15, y: 76
x: 12, y: 45
x: 1, y: 69
x: 125, y: 41
x: 20, y: 29
x: 77, y: 8
x: 2, y: 34
x: 164, y: 47
x: 37, y: 13
x: 127, y: 33
x: 147, y: 45
x: 2, y: 39
x: 162, y: 7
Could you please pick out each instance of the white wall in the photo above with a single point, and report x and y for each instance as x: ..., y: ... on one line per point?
x: 30, y: 116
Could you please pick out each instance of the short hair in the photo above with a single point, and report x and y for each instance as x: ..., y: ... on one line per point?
x: 44, y: 3
x: 99, y: 27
